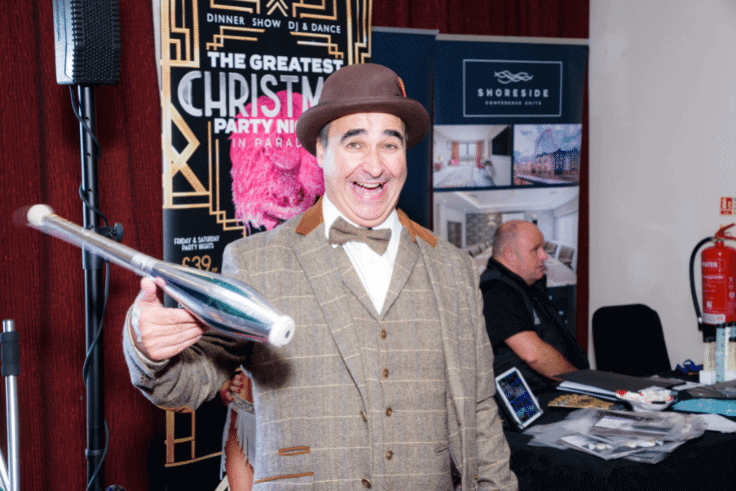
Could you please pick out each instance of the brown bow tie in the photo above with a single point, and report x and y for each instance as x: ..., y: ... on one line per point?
x: 341, y: 232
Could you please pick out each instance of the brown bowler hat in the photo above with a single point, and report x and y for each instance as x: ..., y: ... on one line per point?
x: 366, y: 88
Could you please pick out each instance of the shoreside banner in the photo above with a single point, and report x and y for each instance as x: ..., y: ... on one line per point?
x: 236, y: 76
x: 507, y: 144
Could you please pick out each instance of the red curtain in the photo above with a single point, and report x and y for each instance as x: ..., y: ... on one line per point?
x: 42, y: 278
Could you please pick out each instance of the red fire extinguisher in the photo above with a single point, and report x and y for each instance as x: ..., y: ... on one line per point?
x: 718, y: 264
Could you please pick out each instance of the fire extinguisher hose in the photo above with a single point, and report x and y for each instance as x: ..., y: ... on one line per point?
x: 692, y: 280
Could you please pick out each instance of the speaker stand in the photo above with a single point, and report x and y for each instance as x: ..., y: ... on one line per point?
x: 94, y: 294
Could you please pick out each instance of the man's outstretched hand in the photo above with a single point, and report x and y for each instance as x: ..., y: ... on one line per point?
x: 160, y: 332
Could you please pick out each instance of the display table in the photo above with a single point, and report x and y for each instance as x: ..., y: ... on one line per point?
x: 707, y: 463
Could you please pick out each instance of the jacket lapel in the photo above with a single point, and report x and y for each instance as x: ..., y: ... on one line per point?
x: 322, y: 270
x: 406, y: 258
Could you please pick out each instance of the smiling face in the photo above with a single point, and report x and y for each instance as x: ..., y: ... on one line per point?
x: 364, y: 165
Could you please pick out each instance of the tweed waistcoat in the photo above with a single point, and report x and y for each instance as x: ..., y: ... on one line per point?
x: 404, y: 369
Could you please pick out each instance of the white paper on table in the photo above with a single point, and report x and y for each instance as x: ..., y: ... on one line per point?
x: 716, y: 422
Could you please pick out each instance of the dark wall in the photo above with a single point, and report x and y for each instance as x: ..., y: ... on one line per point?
x: 42, y: 279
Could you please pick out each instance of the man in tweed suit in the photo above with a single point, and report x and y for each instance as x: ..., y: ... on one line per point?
x: 388, y: 381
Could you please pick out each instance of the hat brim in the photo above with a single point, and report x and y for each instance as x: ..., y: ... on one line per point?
x: 411, y: 112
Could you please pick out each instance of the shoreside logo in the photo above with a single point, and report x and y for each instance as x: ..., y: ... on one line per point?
x: 512, y: 88
x: 506, y: 77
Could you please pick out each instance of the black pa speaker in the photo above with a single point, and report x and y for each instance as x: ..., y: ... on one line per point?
x: 87, y: 39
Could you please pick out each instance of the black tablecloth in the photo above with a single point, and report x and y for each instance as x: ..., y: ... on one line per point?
x: 707, y: 463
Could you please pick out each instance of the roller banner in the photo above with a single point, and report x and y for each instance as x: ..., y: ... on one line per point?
x: 507, y: 144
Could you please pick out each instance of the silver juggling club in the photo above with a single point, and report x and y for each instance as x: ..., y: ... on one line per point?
x: 225, y: 304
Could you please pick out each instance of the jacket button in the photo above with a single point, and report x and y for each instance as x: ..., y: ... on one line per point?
x: 385, y: 373
x: 366, y: 484
x: 389, y: 454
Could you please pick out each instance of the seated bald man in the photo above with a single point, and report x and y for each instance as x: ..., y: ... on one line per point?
x: 524, y: 326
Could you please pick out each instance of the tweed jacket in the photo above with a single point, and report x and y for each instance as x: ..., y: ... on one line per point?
x: 311, y: 392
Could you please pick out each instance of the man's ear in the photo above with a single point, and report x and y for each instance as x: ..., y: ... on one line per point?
x: 508, y: 257
x: 319, y: 152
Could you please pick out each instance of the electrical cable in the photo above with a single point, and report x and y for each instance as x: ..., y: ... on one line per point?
x: 87, y: 129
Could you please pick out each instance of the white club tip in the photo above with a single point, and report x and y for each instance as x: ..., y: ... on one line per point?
x: 281, y: 331
x: 37, y: 213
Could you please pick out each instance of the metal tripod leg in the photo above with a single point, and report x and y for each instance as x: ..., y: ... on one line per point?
x: 4, y: 479
x: 10, y: 474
